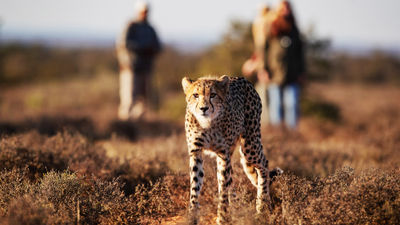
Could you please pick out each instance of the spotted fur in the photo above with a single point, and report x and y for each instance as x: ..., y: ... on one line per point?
x: 222, y: 112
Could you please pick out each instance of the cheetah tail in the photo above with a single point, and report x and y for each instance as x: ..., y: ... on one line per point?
x: 274, y: 173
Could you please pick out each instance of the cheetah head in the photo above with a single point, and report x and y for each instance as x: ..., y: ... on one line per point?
x: 205, y: 97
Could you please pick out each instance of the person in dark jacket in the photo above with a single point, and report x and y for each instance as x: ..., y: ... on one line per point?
x: 136, y: 50
x: 284, y: 61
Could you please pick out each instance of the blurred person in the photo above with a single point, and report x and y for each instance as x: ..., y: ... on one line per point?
x: 136, y: 48
x: 255, y: 65
x: 260, y: 30
x: 284, y: 61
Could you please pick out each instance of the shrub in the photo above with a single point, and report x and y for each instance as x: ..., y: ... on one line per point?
x: 321, y: 110
x: 342, y: 198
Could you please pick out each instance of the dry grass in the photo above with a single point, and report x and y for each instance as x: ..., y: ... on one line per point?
x: 69, y: 162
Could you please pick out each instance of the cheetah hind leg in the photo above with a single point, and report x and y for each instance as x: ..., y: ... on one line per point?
x: 252, y: 173
x: 248, y: 169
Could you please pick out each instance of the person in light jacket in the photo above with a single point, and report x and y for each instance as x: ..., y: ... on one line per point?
x: 137, y: 49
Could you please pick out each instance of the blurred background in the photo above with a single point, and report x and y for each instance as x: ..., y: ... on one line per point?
x: 58, y: 58
x: 59, y: 83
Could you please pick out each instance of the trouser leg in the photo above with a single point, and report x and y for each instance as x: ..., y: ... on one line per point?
x: 275, y: 104
x: 141, y: 89
x: 290, y: 101
x: 125, y: 93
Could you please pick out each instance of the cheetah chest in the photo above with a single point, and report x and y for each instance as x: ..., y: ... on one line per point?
x: 218, y: 138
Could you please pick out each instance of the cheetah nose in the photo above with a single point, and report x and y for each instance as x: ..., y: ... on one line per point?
x: 204, y: 109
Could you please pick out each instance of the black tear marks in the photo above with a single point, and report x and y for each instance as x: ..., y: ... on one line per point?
x: 198, y: 144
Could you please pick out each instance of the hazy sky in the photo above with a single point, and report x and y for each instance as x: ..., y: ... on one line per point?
x: 368, y: 22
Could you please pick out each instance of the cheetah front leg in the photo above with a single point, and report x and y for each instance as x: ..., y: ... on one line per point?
x: 196, y: 182
x: 224, y: 172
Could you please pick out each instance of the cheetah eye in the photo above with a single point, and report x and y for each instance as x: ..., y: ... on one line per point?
x: 212, y: 95
x: 195, y: 95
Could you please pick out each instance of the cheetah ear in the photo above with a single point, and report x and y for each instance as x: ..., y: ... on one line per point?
x: 224, y: 83
x: 186, y: 82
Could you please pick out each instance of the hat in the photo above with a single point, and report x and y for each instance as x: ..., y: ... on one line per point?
x: 141, y: 6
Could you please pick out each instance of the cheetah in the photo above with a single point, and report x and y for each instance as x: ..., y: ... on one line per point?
x: 220, y: 113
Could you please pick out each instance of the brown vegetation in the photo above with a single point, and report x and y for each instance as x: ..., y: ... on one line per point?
x: 335, y: 172
x: 64, y: 159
